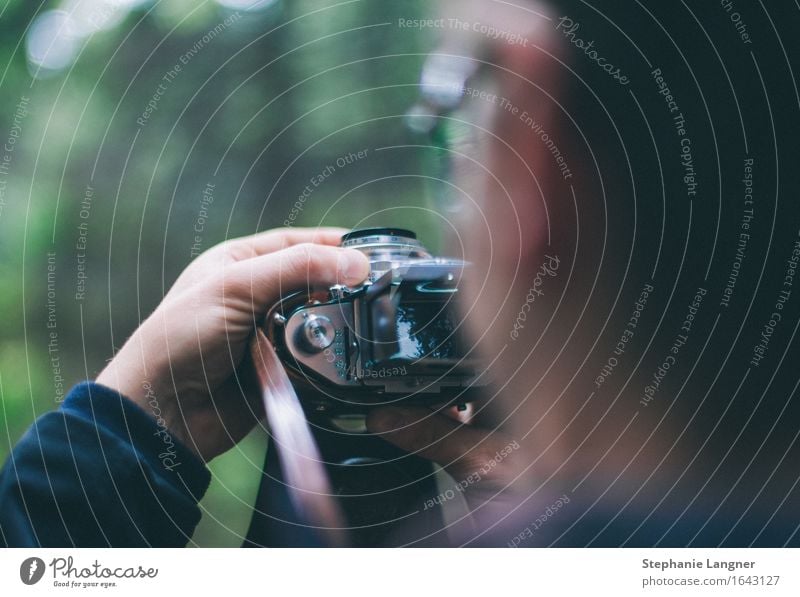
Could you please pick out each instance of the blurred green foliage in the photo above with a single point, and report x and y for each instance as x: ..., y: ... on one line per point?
x: 263, y: 107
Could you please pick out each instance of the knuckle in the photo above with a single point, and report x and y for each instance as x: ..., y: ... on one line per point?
x: 304, y: 260
x: 284, y: 234
x: 224, y: 246
x: 228, y: 286
x: 236, y: 249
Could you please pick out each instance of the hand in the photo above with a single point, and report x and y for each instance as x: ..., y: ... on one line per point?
x: 482, y: 462
x: 187, y: 364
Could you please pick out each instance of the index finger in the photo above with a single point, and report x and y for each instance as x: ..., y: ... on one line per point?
x: 431, y: 435
x: 276, y: 239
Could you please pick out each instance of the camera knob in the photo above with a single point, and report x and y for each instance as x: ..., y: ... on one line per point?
x: 337, y: 292
x: 317, y: 332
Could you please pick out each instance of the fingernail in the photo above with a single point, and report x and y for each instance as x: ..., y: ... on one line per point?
x: 353, y: 266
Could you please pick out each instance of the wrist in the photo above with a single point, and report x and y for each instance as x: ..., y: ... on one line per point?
x: 148, y: 389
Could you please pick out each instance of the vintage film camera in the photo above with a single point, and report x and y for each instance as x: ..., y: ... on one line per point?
x: 396, y: 337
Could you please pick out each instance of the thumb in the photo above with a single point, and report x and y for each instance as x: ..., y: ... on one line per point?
x: 262, y: 280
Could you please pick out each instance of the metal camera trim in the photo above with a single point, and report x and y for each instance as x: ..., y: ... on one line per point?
x: 319, y: 337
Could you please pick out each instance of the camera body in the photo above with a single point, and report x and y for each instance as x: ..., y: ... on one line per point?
x: 396, y: 338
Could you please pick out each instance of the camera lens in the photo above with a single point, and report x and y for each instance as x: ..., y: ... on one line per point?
x: 386, y: 248
x: 364, y: 232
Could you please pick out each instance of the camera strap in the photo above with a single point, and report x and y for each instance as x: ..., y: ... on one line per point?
x: 304, y: 472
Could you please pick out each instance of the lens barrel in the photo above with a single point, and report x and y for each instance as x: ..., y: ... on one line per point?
x: 386, y: 248
x: 364, y: 232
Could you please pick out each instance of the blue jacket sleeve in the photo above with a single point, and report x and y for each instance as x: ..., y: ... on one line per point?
x: 99, y: 472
